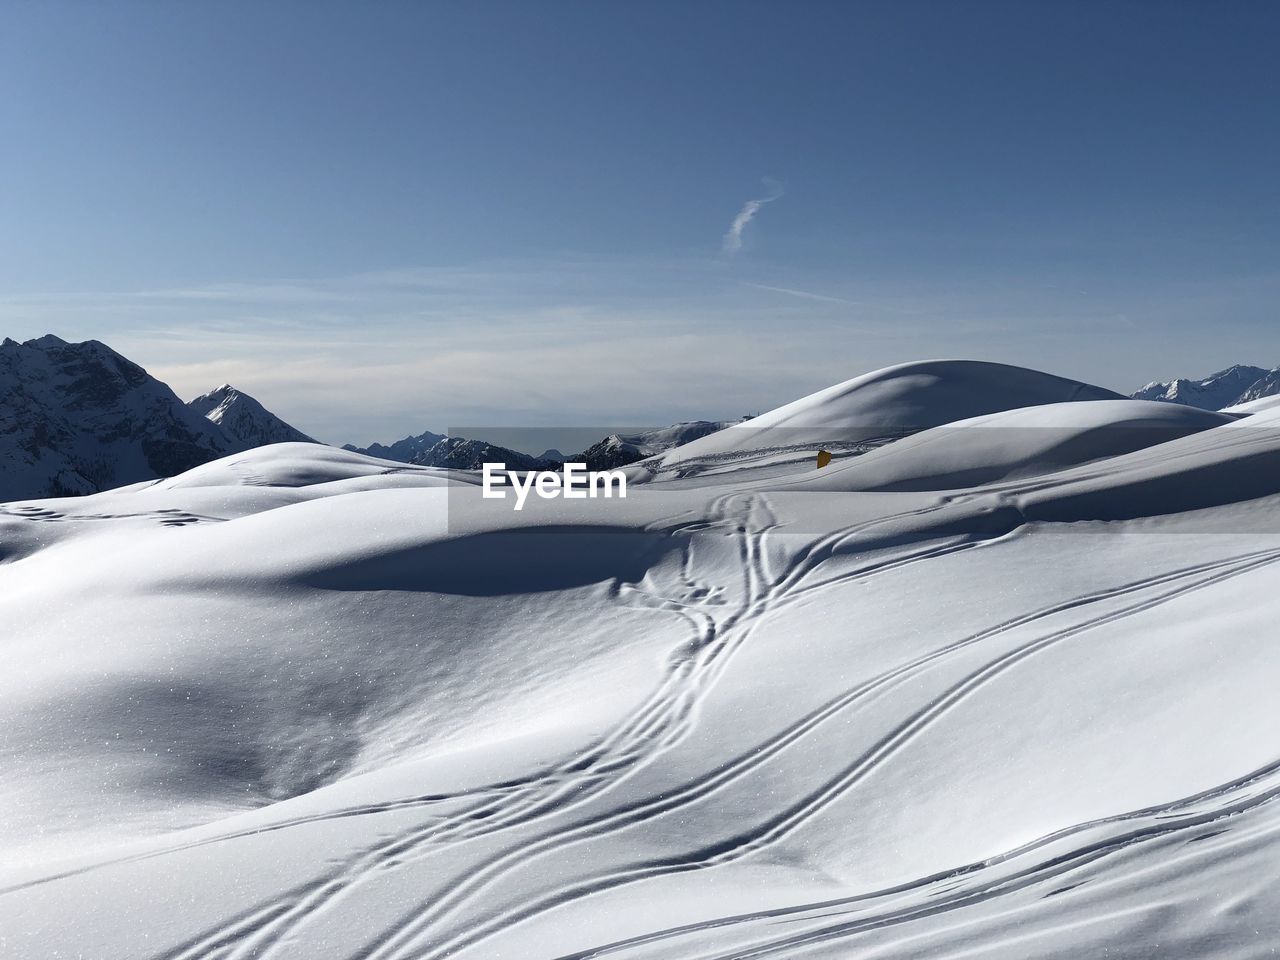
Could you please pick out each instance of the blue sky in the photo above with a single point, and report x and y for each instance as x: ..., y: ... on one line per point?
x: 389, y: 217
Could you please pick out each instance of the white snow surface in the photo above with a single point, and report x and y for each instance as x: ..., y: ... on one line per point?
x: 1004, y: 688
x: 1017, y: 443
x: 1254, y: 406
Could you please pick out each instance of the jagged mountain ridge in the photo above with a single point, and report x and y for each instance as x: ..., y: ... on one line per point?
x: 77, y: 418
x: 1267, y: 385
x: 1236, y: 384
x: 245, y: 419
x: 615, y: 450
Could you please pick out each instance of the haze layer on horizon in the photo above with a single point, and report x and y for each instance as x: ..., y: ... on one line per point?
x: 380, y: 219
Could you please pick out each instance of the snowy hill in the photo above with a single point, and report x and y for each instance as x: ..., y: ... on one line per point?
x: 1247, y: 407
x: 78, y: 417
x: 869, y: 410
x: 245, y: 419
x: 1002, y: 688
x: 1226, y: 388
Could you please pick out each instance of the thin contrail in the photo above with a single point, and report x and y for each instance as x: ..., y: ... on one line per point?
x: 804, y: 294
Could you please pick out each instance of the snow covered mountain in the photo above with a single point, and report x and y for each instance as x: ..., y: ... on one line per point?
x: 458, y: 453
x: 401, y: 451
x: 615, y: 450
x: 1268, y: 385
x: 455, y: 453
x: 76, y: 418
x: 245, y: 419
x: 1226, y: 388
x: 1003, y: 688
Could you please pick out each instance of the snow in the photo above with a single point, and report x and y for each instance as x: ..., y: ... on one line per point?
x: 1000, y: 688
x: 1017, y: 443
x: 871, y: 409
x: 1253, y: 406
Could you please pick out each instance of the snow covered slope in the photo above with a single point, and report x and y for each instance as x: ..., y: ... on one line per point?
x: 872, y: 409
x: 1026, y: 442
x: 1253, y: 406
x: 78, y: 417
x: 301, y: 703
x: 245, y: 419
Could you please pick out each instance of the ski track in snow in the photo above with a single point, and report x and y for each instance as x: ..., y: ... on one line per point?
x: 1031, y: 864
x: 661, y: 721
x: 717, y: 628
x: 791, y: 818
x: 548, y: 863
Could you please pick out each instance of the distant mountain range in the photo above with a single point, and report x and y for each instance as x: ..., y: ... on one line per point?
x: 455, y: 453
x: 77, y: 418
x: 616, y: 450
x: 1218, y: 391
x: 402, y: 451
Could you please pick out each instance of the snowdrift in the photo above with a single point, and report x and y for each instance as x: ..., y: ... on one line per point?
x: 1254, y: 406
x: 296, y: 464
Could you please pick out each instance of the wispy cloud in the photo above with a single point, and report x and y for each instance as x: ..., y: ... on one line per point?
x: 733, y: 238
